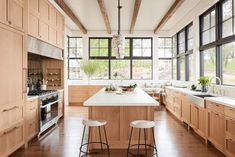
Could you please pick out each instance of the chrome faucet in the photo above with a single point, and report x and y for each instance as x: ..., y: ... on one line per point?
x: 220, y: 85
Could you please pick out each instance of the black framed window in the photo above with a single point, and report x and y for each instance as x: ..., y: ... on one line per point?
x: 75, y: 48
x: 182, y: 61
x: 217, y: 58
x: 137, y: 62
x: 165, y: 58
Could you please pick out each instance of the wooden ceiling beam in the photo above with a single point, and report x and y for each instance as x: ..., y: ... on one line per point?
x: 105, y: 16
x: 71, y: 15
x: 168, y: 15
x: 135, y: 14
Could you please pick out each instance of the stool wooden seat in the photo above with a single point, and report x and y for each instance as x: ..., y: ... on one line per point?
x: 95, y: 124
x: 142, y: 124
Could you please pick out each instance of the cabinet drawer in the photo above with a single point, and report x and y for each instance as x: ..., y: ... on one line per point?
x: 32, y: 110
x: 230, y: 147
x: 31, y: 129
x: 11, y: 139
x: 10, y: 115
x: 229, y: 112
x: 215, y: 107
x: 230, y: 127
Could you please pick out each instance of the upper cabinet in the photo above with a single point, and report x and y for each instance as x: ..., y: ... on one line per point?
x: 12, y: 13
x: 45, y: 22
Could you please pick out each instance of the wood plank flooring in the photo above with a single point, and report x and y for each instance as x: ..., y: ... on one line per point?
x: 173, y: 139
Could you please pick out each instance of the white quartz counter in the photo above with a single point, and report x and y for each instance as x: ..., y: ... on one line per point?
x: 223, y: 100
x: 226, y: 101
x: 136, y: 98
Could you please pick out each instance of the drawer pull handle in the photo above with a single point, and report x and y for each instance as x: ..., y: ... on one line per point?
x: 9, y: 109
x: 32, y: 109
x: 9, y: 131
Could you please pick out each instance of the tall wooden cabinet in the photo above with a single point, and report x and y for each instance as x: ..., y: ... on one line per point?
x: 45, y: 22
x: 12, y: 89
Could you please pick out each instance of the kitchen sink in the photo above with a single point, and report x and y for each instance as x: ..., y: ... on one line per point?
x: 198, y: 99
x: 204, y: 96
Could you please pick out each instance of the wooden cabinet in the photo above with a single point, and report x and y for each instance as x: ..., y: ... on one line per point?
x: 185, y: 110
x: 216, y: 127
x: 31, y: 119
x: 12, y: 13
x: 194, y: 116
x: 46, y: 23
x: 61, y: 103
x: 79, y: 94
x: 230, y: 131
x: 11, y: 139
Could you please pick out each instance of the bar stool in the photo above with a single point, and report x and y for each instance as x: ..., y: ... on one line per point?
x: 93, y: 123
x: 142, y: 124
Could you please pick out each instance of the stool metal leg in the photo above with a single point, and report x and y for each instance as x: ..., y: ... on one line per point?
x: 89, y: 133
x: 101, y: 146
x: 155, y: 146
x: 83, y: 134
x: 139, y: 142
x: 128, y: 149
x: 145, y: 142
x: 106, y: 141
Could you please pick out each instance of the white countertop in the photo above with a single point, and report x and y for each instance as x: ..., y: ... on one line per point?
x: 136, y: 98
x: 223, y: 100
x: 30, y: 98
x: 226, y: 101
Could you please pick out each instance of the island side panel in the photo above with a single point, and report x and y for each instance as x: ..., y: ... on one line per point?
x: 118, y: 123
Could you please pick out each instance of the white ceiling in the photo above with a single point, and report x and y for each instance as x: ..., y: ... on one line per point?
x: 150, y: 14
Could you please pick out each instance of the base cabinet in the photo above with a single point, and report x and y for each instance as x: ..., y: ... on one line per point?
x: 216, y: 128
x: 185, y: 111
x: 11, y: 139
x: 31, y: 119
x: 61, y: 104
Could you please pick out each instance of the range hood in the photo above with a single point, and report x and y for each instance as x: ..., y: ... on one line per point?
x: 41, y: 48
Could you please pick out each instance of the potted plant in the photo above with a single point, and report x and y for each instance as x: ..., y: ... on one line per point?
x: 204, y: 81
x: 89, y: 68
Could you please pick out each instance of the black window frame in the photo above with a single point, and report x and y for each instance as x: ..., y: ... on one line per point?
x: 130, y: 57
x: 184, y: 54
x: 167, y: 58
x: 219, y: 40
x: 72, y: 58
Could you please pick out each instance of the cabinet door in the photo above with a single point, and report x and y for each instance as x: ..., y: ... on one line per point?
x: 33, y: 25
x: 44, y: 8
x: 194, y: 116
x: 216, y: 127
x: 3, y: 11
x: 33, y: 6
x: 11, y: 139
x: 230, y: 127
x: 11, y: 43
x: 60, y: 39
x: 60, y: 22
x: 185, y: 111
x: 230, y: 147
x: 202, y: 121
x: 44, y: 31
x: 16, y: 14
x: 52, y: 36
x: 53, y: 14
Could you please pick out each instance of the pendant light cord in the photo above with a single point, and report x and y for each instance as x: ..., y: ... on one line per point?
x: 119, y: 16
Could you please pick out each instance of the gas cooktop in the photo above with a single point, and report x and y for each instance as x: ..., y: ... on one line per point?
x: 40, y: 92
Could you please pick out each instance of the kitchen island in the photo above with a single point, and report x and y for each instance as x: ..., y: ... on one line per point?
x: 119, y: 110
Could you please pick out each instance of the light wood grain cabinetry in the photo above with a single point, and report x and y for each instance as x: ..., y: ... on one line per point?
x: 31, y: 119
x: 230, y: 131
x: 46, y: 23
x: 185, y: 110
x: 61, y: 103
x: 11, y: 139
x: 12, y: 13
x: 216, y: 124
x: 79, y: 94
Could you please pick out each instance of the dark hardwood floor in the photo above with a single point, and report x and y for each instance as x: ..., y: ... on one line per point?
x: 173, y: 139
